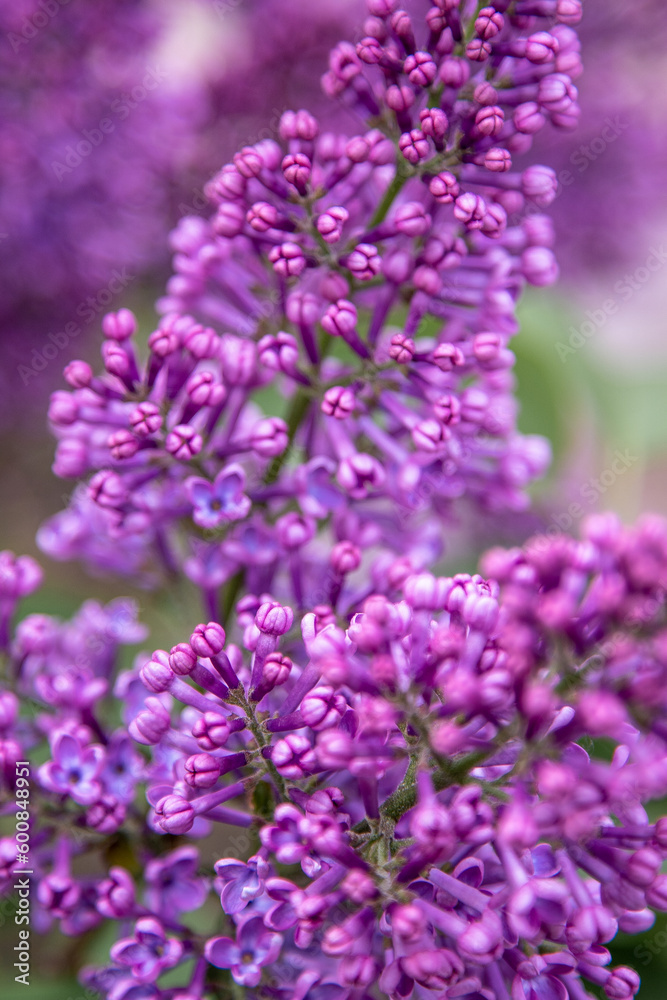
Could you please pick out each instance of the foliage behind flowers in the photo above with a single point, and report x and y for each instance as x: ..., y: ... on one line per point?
x: 430, y: 785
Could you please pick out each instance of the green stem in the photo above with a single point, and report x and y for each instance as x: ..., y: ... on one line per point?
x: 390, y: 194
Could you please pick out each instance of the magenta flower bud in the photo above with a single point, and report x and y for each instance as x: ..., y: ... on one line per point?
x: 122, y: 444
x: 275, y: 670
x: 340, y: 319
x: 211, y: 731
x: 298, y: 125
x: 115, y: 895
x: 207, y: 640
x: 447, y: 409
x: 656, y: 894
x: 370, y: 51
x: 590, y: 926
x: 107, y: 489
x: 454, y: 72
x: 401, y: 348
x: 539, y: 230
x: 541, y: 47
x: 345, y: 557
x: 412, y: 219
x: 569, y: 11
x: 528, y: 118
x: 330, y: 224
x: 296, y: 168
x: 239, y: 360
x: 470, y: 210
x: 204, y: 389
x: 71, y: 459
x: 478, y: 50
x: 146, y: 419
x: 487, y: 347
x: 184, y: 442
x: 444, y: 187
x: 539, y: 184
x: 294, y: 530
x: 358, y: 149
x: 497, y: 160
x: 116, y: 359
x: 175, y: 815
x: 408, y: 923
x: 120, y: 325
x: 157, y: 675
x: 490, y: 120
x: 293, y: 757
x: 8, y: 709
x: 488, y: 23
x: 182, y: 659
x: 227, y: 185
x: 229, y: 219
x: 622, y: 984
x: 78, y: 374
x: 202, y: 342
x: 434, y: 123
x: 447, y: 357
x: 360, y: 474
x: 304, y: 308
x: 339, y: 402
x: 399, y: 99
x: 334, y: 749
x: 539, y: 266
x: 269, y: 437
x: 279, y: 353
x: 287, y: 259
x: 150, y: 725
x: 63, y: 409
x: 364, y: 261
x: 420, y: 69
x: 248, y: 162
x: 202, y: 770
x: 163, y: 342
x: 381, y: 8
x: 414, y: 146
x: 274, y: 619
x: 262, y: 216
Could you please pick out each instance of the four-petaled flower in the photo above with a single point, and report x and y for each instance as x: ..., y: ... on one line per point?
x: 73, y: 770
x: 172, y: 882
x: 220, y: 501
x: 149, y: 952
x: 241, y: 882
x: 253, y: 948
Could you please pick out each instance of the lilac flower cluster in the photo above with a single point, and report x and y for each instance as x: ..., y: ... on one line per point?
x: 370, y: 282
x: 448, y: 794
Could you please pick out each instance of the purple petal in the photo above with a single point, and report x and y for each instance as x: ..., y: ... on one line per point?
x: 222, y: 952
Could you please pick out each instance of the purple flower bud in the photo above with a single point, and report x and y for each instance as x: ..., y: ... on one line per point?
x: 497, y: 160
x: 202, y: 770
x: 120, y: 325
x: 447, y: 357
x: 470, y: 209
x: 287, y: 259
x: 402, y: 348
x: 330, y: 224
x: 414, y: 146
x: 270, y: 437
x: 420, y: 68
x: 539, y: 266
x: 150, y: 726
x: 63, y: 409
x: 78, y: 374
x: 339, y: 402
x: 116, y: 895
x: 528, y: 118
x: 434, y: 123
x: 363, y: 262
x: 454, y: 72
x: 482, y: 940
x: 488, y: 23
x: 175, y: 815
x: 184, y: 442
x: 429, y: 435
x: 274, y: 619
x: 569, y: 11
x: 248, y: 162
x: 204, y: 389
x: 297, y: 167
x: 478, y: 50
x: 262, y: 216
x: 146, y: 419
x: 298, y: 125
x: 444, y: 187
x: 360, y: 474
x: 490, y: 120
x: 207, y: 640
x: 539, y: 184
x: 182, y: 659
x: 157, y: 675
x: 370, y: 51
x: 622, y: 984
x: 211, y: 731
x: 122, y: 444
x: 107, y: 489
x: 228, y: 184
x: 399, y: 99
x: 340, y: 318
x: 591, y: 925
x: 541, y: 47
x: 412, y: 219
x: 293, y: 757
x: 229, y: 220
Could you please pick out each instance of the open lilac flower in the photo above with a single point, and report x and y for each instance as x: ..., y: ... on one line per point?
x: 173, y: 885
x: 221, y: 501
x: 148, y: 952
x: 254, y: 948
x: 241, y: 882
x: 74, y: 769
